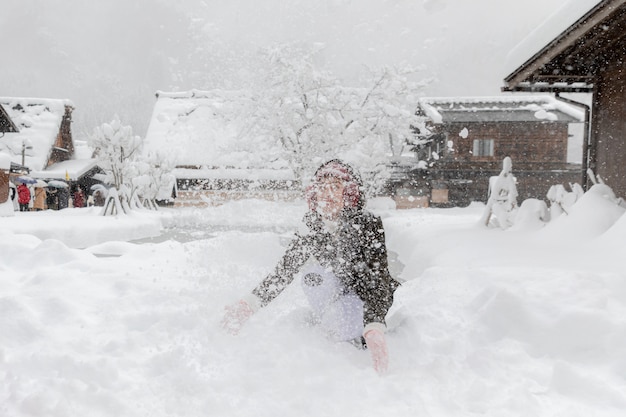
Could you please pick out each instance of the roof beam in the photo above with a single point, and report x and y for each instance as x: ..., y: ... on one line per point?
x: 548, y: 88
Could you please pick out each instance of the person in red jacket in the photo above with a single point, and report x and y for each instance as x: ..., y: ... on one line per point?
x: 23, y: 196
x: 342, y: 260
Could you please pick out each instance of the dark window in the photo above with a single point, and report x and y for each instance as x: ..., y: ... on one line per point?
x: 483, y: 147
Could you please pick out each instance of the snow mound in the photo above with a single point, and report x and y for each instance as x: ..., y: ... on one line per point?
x: 593, y: 214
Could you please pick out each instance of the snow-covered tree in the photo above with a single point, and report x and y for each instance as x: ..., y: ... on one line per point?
x: 316, y: 118
x: 379, y: 122
x: 295, y: 107
x: 116, y: 149
x: 136, y: 178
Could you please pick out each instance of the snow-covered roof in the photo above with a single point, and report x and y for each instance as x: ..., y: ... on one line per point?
x: 551, y: 28
x: 559, y: 55
x: 499, y: 108
x: 5, y: 161
x: 74, y: 168
x: 207, y: 129
x: 6, y: 124
x: 235, y: 174
x: 38, y: 121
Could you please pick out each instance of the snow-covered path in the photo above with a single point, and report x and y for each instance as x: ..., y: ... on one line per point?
x: 496, y: 323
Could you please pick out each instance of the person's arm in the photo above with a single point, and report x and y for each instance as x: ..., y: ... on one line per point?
x: 369, y: 274
x: 375, y: 287
x: 295, y: 256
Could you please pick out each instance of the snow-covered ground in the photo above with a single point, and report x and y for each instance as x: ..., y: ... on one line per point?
x: 497, y: 323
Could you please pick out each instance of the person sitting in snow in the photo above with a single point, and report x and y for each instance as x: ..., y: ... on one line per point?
x: 342, y: 258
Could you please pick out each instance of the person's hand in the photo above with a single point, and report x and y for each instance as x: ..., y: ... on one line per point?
x: 236, y: 315
x: 377, y: 345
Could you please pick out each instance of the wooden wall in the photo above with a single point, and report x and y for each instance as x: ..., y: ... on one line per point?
x: 63, y: 149
x: 538, y: 151
x: 4, y: 185
x: 522, y: 141
x: 608, y: 156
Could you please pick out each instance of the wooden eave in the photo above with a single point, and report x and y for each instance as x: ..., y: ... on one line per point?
x: 9, y: 126
x: 572, y: 61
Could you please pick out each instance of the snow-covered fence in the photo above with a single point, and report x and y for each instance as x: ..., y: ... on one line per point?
x: 112, y: 204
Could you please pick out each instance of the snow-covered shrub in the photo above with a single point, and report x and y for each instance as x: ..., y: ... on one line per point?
x: 593, y: 214
x: 154, y: 180
x: 532, y: 214
x: 562, y: 200
x: 132, y: 175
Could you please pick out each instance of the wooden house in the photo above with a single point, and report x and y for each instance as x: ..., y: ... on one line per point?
x: 39, y: 139
x: 203, y: 135
x: 582, y: 49
x: 7, y: 126
x: 472, y: 135
x: 42, y: 134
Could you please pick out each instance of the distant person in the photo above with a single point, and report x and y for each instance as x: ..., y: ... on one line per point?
x: 342, y: 258
x: 79, y: 198
x: 40, y: 199
x: 99, y: 198
x: 63, y: 197
x: 52, y: 199
x: 23, y: 196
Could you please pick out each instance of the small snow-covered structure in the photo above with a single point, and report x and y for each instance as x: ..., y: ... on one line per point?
x: 471, y: 135
x: 561, y: 200
x: 502, y: 201
x: 204, y: 135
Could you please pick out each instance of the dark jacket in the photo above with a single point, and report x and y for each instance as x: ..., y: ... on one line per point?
x: 355, y: 252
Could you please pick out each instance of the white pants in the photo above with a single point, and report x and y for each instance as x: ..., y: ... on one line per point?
x: 339, y: 313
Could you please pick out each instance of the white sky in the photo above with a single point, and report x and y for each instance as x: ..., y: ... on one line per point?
x: 111, y: 56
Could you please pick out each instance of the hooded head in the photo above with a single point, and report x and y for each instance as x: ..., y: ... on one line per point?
x: 351, y: 181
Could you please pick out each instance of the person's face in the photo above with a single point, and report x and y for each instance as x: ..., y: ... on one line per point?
x: 330, y: 197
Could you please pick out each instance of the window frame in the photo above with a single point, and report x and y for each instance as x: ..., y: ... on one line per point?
x: 483, y: 148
